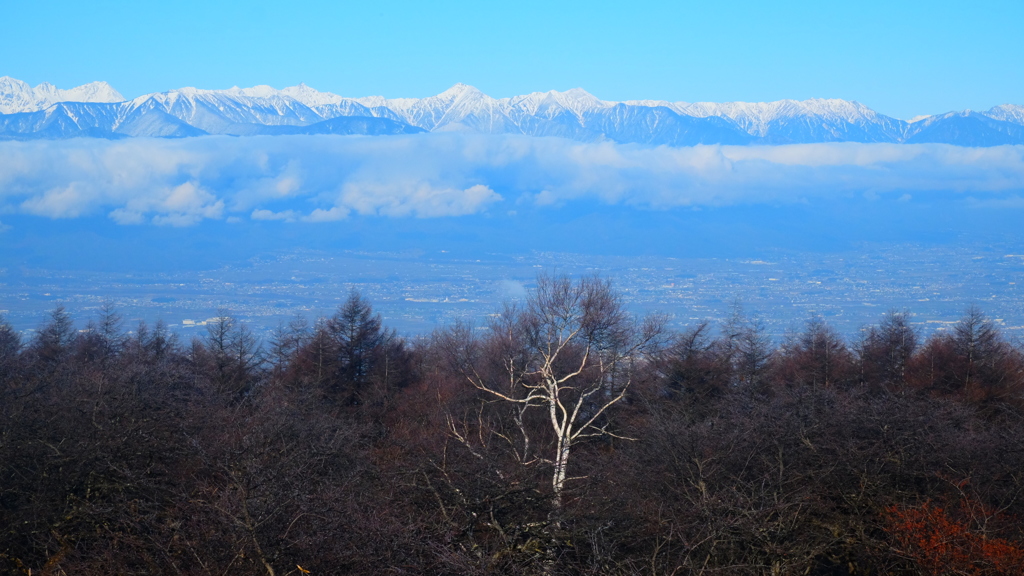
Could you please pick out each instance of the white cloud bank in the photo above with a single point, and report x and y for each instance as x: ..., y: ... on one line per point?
x: 331, y: 178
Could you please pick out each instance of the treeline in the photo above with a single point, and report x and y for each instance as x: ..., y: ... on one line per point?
x: 564, y: 436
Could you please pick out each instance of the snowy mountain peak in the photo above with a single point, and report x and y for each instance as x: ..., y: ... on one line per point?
x: 17, y: 96
x: 576, y: 100
x: 459, y: 92
x: 311, y: 97
x: 11, y: 86
x: 462, y: 96
x: 92, y: 92
x: 260, y: 91
x: 459, y: 89
x: 1007, y: 113
x: 677, y: 106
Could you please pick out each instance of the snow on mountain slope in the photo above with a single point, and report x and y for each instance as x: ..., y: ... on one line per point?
x: 312, y: 97
x: 574, y: 114
x: 17, y: 96
x: 576, y: 101
x: 214, y: 111
x: 1007, y: 113
x: 965, y: 128
x: 61, y: 120
x: 757, y: 118
x: 463, y: 107
x: 792, y: 121
x: 459, y: 108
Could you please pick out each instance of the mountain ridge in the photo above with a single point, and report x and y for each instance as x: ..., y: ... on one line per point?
x: 17, y: 96
x: 97, y: 110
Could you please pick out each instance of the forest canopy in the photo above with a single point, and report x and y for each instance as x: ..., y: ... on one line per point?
x: 561, y: 435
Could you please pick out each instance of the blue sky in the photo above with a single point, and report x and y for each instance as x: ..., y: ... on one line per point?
x: 900, y: 58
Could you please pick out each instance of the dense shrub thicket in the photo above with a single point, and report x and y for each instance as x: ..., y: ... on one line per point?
x: 342, y: 448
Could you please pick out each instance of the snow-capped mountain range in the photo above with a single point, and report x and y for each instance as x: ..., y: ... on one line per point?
x: 17, y: 96
x: 97, y: 110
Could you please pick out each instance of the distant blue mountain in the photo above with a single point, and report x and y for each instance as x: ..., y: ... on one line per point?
x: 965, y: 129
x: 366, y: 125
x: 96, y: 110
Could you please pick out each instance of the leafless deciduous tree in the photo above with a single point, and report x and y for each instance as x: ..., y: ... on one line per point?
x: 569, y: 352
x: 886, y: 349
x: 10, y: 346
x: 973, y: 360
x: 234, y: 351
x: 817, y: 358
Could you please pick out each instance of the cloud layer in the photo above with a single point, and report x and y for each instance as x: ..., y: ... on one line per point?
x: 331, y: 178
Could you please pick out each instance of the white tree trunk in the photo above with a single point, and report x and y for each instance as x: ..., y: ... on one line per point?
x: 558, y: 478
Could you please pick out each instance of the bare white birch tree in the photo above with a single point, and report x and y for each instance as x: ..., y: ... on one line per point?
x: 570, y: 352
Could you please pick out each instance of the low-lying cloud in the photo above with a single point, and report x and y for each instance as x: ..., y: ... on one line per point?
x: 332, y: 178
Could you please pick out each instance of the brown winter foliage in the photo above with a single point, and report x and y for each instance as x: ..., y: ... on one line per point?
x: 565, y: 436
